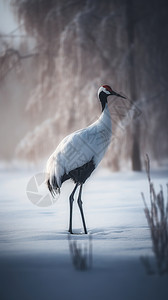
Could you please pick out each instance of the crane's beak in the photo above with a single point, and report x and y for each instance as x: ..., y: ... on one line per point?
x: 118, y: 95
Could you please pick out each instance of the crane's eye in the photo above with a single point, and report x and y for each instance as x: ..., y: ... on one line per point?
x: 107, y: 91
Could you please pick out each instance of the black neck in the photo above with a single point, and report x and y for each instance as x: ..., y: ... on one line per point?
x: 103, y: 99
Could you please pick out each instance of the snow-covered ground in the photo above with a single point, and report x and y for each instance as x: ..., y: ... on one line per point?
x: 34, y: 249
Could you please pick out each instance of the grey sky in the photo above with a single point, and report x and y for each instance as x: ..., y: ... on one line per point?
x: 8, y: 21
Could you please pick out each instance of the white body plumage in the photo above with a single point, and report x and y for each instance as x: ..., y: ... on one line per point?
x: 80, y: 147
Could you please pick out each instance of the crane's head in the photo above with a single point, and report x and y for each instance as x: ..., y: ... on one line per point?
x: 105, y: 91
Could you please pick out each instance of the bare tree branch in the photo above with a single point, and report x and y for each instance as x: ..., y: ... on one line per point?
x: 6, y: 58
x: 12, y: 51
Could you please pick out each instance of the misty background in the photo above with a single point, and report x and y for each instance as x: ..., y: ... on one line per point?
x: 54, y: 55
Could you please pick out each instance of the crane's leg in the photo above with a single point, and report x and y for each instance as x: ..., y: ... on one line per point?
x: 81, y: 209
x: 71, y: 200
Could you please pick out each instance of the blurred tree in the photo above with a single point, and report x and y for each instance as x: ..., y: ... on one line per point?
x: 82, y: 44
x: 76, y: 57
x: 135, y: 155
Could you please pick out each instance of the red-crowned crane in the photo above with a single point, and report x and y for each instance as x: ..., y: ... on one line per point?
x: 79, y: 154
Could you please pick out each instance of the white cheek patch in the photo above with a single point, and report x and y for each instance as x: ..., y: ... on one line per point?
x: 102, y: 89
x: 105, y: 91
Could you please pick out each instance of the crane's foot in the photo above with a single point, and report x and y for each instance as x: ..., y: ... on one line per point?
x: 77, y: 233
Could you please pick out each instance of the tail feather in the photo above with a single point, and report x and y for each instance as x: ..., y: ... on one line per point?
x: 52, y: 183
x: 52, y: 179
x: 54, y: 188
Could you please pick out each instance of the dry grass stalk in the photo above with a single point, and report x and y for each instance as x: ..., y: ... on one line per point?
x: 157, y: 218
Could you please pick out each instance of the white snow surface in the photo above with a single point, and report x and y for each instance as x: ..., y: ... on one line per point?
x: 34, y: 250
